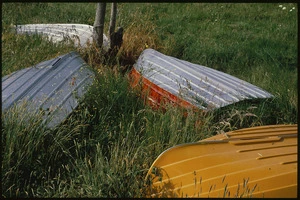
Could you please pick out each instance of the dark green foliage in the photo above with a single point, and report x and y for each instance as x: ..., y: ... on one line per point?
x: 106, y: 146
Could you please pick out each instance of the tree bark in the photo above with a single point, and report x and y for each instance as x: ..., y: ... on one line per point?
x: 99, y: 24
x: 112, y: 23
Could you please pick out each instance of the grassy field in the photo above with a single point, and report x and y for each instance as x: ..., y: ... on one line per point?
x: 106, y: 146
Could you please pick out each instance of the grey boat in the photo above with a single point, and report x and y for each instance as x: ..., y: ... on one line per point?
x: 55, y: 86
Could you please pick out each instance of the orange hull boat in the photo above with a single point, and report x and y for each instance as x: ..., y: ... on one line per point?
x: 167, y: 79
x: 154, y: 95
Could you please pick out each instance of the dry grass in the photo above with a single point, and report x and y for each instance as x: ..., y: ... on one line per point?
x: 136, y: 38
x: 107, y: 145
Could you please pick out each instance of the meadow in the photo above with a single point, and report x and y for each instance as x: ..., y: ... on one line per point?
x: 106, y: 146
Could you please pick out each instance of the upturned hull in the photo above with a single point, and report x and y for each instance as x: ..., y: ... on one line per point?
x: 253, y: 162
x: 54, y: 87
x: 168, y: 79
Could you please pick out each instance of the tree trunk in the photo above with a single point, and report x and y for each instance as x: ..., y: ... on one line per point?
x: 112, y: 23
x: 99, y: 24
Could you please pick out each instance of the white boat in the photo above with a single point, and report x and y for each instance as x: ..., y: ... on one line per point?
x: 81, y: 34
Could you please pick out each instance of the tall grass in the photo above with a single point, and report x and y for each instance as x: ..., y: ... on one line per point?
x: 108, y: 143
x: 30, y: 152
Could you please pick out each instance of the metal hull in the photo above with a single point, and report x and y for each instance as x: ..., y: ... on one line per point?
x: 172, y: 80
x: 253, y: 162
x: 54, y: 86
x: 81, y: 34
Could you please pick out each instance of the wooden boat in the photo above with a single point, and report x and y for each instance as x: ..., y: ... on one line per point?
x: 81, y: 34
x: 55, y: 86
x: 167, y: 79
x: 251, y: 162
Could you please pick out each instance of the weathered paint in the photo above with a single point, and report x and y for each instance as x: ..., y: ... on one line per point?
x: 252, y: 162
x: 80, y: 33
x: 54, y: 86
x: 197, y: 85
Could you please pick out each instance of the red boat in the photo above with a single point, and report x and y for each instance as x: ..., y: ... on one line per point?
x: 167, y: 79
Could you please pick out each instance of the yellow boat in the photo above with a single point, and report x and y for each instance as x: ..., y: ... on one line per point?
x: 251, y: 162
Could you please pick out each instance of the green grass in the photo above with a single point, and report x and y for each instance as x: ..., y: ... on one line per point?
x: 106, y: 146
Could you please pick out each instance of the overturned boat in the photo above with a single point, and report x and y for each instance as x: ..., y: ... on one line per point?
x: 54, y: 86
x: 251, y: 162
x: 81, y: 34
x: 167, y: 79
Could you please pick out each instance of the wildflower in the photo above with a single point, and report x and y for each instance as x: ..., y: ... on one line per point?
x: 283, y: 8
x: 280, y: 6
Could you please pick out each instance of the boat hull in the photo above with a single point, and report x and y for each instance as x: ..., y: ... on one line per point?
x: 254, y: 162
x: 54, y: 87
x: 81, y: 34
x: 189, y: 85
x: 154, y: 95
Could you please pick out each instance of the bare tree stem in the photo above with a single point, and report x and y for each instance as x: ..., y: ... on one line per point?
x: 99, y: 24
x: 112, y: 23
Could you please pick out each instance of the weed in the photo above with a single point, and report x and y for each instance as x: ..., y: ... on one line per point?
x: 105, y: 147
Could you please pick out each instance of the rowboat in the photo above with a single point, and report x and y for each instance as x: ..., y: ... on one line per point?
x: 55, y: 87
x: 164, y: 78
x: 81, y: 34
x: 251, y: 162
